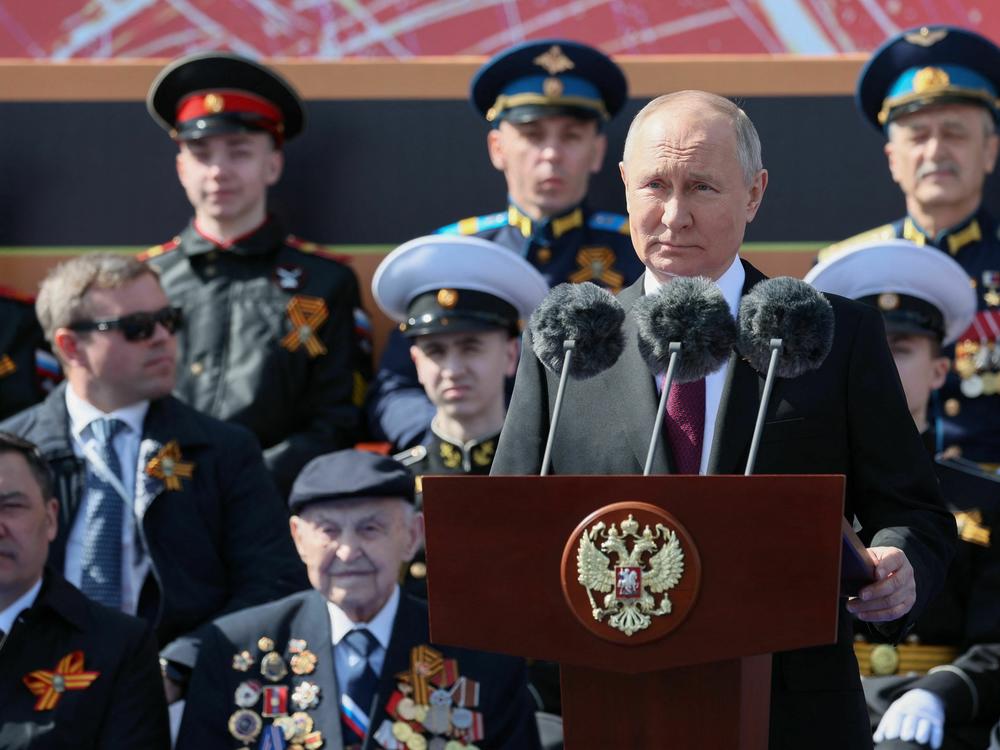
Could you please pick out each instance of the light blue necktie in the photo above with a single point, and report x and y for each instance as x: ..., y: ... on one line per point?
x: 102, y: 540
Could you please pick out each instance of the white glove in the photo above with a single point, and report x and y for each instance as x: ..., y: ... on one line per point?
x: 916, y: 716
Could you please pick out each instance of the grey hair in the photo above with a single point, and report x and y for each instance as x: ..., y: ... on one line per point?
x: 62, y: 296
x: 747, y: 140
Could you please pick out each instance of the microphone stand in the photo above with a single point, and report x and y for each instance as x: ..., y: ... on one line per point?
x: 675, y: 351
x: 776, y: 347
x: 568, y: 346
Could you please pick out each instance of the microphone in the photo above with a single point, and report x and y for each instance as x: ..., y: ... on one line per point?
x: 785, y: 330
x: 576, y: 331
x: 687, y: 329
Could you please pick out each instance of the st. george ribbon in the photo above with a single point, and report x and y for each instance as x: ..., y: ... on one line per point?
x: 785, y: 330
x: 687, y: 329
x: 576, y: 331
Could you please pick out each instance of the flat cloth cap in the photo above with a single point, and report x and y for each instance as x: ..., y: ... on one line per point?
x: 347, y: 474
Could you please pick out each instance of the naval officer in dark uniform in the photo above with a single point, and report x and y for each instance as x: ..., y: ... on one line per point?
x: 933, y: 92
x: 926, y: 691
x: 274, y: 338
x: 460, y: 302
x: 547, y: 103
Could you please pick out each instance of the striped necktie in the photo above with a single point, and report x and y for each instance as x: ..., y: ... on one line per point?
x: 360, y: 685
x: 101, y: 578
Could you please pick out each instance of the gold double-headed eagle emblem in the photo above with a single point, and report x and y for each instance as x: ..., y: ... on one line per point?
x: 647, y: 565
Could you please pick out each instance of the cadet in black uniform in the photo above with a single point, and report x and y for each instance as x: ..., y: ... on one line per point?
x: 274, y: 338
x: 933, y: 91
x: 547, y: 103
x: 924, y: 692
x: 28, y: 371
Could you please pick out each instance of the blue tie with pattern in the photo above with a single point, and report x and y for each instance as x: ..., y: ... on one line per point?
x: 102, y: 542
x: 360, y: 685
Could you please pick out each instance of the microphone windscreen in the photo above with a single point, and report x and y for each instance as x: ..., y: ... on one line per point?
x: 691, y: 311
x: 586, y: 313
x: 793, y: 311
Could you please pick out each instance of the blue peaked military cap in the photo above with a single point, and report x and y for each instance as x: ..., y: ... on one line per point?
x: 929, y: 65
x: 549, y: 77
x: 347, y: 474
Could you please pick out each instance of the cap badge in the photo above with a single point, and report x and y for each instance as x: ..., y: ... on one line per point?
x: 552, y: 87
x: 447, y: 298
x: 925, y: 37
x: 930, y: 79
x: 554, y: 61
x: 214, y: 103
x: 888, y: 301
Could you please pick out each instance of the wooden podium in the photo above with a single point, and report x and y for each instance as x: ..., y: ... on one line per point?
x: 761, y: 574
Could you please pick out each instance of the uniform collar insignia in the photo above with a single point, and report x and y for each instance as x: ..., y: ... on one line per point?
x: 559, y: 225
x: 953, y: 239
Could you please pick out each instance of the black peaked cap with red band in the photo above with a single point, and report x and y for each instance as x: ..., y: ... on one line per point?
x: 213, y: 93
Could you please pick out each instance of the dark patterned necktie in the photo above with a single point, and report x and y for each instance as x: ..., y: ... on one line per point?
x: 686, y: 424
x: 359, y: 685
x: 101, y: 578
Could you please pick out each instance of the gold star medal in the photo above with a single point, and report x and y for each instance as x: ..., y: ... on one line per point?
x: 168, y: 466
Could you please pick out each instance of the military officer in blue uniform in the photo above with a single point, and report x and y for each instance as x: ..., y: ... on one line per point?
x: 275, y: 338
x: 547, y: 103
x: 927, y: 690
x: 933, y: 92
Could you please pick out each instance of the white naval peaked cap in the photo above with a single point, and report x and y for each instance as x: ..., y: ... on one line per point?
x: 892, y: 270
x: 452, y: 262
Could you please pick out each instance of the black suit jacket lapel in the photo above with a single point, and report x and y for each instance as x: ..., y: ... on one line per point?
x: 312, y: 624
x: 635, y: 389
x: 738, y: 406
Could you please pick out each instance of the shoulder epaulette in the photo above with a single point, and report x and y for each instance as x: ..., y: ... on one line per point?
x: 411, y: 456
x: 158, y: 250
x: 16, y: 295
x: 609, y: 222
x: 884, y: 232
x: 312, y: 248
x: 475, y: 224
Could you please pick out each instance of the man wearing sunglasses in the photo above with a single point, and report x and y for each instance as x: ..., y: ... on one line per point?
x: 164, y: 512
x: 275, y: 338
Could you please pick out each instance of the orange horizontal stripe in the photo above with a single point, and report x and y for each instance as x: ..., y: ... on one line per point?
x: 443, y: 77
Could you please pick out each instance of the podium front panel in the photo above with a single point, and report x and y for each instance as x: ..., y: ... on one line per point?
x: 769, y: 550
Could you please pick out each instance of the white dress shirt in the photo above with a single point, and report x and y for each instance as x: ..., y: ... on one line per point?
x: 135, y: 560
x: 731, y: 286
x: 9, y: 615
x: 380, y: 626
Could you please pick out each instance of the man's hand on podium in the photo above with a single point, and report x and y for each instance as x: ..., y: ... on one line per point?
x: 894, y: 591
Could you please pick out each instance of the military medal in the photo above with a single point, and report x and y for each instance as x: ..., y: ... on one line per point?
x: 402, y: 731
x: 287, y: 726
x: 245, y: 725
x: 242, y: 661
x: 406, y: 709
x: 296, y: 645
x: 304, y: 662
x: 248, y: 693
x: 312, y: 741
x: 972, y: 387
x: 303, y: 724
x: 416, y: 742
x: 989, y: 383
x: 305, y: 695
x: 461, y: 718
x: 272, y: 666
x: 265, y: 644
x: 275, y: 701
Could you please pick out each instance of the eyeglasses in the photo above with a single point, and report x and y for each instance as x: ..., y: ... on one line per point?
x: 137, y: 326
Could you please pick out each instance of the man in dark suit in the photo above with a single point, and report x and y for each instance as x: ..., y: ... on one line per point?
x: 693, y: 179
x: 348, y: 664
x: 165, y: 512
x: 72, y: 673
